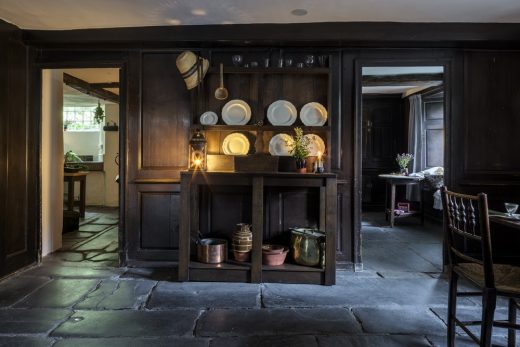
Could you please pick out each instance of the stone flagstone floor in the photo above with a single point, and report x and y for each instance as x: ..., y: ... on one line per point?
x: 79, y: 297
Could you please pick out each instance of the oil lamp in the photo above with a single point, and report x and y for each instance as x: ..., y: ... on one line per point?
x: 197, y: 152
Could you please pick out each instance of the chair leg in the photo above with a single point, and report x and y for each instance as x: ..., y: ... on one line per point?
x: 511, y: 333
x: 489, y: 301
x: 452, y: 308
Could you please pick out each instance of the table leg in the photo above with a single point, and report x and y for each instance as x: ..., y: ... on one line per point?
x: 386, y: 202
x: 421, y: 202
x: 70, y: 195
x: 392, y: 204
x: 82, y: 197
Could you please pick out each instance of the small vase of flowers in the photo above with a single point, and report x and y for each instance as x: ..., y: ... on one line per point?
x: 299, y: 149
x: 403, y: 160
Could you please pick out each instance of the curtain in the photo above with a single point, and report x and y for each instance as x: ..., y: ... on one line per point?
x: 415, y: 143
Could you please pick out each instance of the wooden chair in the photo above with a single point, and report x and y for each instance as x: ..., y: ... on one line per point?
x: 467, y: 234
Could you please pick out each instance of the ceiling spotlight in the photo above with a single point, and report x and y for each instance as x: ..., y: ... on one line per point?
x: 173, y: 21
x: 299, y: 12
x: 199, y: 12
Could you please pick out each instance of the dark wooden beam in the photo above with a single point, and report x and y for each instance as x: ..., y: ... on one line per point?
x: 89, y: 89
x: 339, y: 34
x: 105, y: 85
x: 401, y: 80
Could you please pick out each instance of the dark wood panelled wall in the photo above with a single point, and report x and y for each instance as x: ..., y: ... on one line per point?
x: 482, y: 108
x: 18, y: 159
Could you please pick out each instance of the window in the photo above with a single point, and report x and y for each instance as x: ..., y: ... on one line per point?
x: 80, y: 118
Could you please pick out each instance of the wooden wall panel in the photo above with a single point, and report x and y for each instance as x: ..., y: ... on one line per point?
x: 160, y: 220
x: 18, y: 172
x: 222, y: 208
x: 166, y: 110
x: 492, y: 107
x: 153, y: 222
x: 158, y: 130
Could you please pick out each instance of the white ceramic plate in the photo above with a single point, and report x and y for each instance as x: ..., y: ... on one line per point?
x: 316, y: 144
x: 313, y: 114
x: 278, y: 145
x: 236, y: 112
x: 282, y: 112
x: 235, y: 144
x: 208, y: 118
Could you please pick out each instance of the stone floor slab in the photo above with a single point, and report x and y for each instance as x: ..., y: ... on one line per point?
x: 154, y: 274
x: 265, y: 341
x: 24, y: 341
x: 60, y: 293
x: 395, y: 256
x: 15, y: 288
x: 34, y: 321
x: 92, y: 228
x: 78, y: 235
x: 464, y: 341
x: 117, y: 295
x: 205, y: 295
x: 261, y: 322
x: 107, y: 241
x: 133, y: 342
x: 415, y: 321
x: 373, y: 341
x: 125, y: 323
x: 81, y: 270
x: 359, y: 292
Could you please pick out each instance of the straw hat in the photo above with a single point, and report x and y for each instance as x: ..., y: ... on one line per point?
x: 189, y: 66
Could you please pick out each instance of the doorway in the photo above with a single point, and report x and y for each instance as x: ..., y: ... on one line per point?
x: 402, y: 111
x: 80, y: 146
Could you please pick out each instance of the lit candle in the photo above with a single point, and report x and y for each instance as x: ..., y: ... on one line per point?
x: 320, y: 164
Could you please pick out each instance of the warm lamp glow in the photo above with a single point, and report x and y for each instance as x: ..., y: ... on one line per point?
x: 197, y: 152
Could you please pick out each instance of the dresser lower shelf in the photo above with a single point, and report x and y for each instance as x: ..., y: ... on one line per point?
x: 232, y: 271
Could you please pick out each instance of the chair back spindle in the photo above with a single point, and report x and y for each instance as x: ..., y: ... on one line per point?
x: 466, y: 223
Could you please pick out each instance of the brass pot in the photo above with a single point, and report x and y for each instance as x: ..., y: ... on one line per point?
x: 308, y: 246
x: 212, y: 251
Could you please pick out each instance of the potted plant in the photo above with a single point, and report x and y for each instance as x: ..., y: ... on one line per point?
x: 99, y: 114
x: 403, y: 160
x: 299, y: 149
x: 73, y: 162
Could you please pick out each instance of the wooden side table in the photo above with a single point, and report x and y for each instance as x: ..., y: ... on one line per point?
x: 391, y: 182
x: 70, y: 178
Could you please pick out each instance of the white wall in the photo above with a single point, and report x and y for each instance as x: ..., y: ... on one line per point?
x: 84, y: 142
x: 102, y: 189
x: 52, y: 160
x: 111, y: 150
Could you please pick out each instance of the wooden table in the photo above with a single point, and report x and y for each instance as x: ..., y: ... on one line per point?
x: 70, y: 178
x: 498, y: 217
x: 505, y: 238
x: 391, y: 182
x: 256, y: 183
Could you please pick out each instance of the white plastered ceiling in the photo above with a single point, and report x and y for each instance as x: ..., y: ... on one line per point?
x: 80, y: 14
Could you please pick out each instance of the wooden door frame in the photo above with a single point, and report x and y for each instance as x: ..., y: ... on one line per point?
x: 451, y: 61
x: 77, y: 60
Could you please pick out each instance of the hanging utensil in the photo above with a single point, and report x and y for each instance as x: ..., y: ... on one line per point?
x: 221, y: 93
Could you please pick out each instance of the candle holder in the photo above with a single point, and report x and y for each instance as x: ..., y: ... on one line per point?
x: 197, y: 152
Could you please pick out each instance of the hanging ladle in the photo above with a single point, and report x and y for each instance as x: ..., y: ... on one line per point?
x: 221, y: 93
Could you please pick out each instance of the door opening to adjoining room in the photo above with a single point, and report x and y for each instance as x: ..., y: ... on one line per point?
x: 402, y: 118
x: 80, y: 170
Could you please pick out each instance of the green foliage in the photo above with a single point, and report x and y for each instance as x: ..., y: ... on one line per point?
x: 99, y: 114
x: 300, y: 145
x: 71, y: 157
x: 403, y: 159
